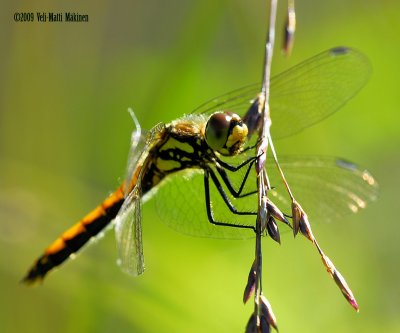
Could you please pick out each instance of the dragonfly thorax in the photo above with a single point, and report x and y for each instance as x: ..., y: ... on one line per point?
x: 193, y: 142
x: 226, y: 133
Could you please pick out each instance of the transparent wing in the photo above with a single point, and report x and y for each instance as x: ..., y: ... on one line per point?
x: 238, y: 100
x: 128, y: 228
x: 138, y: 145
x: 305, y: 94
x: 128, y: 223
x: 316, y: 88
x: 128, y: 231
x: 180, y: 203
x: 327, y: 188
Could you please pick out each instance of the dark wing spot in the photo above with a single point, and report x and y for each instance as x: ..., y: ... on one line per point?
x: 340, y: 50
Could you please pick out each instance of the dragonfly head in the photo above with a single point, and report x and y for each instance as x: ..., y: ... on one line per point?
x: 226, y: 133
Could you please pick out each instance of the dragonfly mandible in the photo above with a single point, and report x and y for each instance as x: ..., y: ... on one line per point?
x: 173, y: 161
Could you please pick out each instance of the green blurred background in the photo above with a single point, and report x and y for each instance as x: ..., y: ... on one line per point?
x: 64, y: 138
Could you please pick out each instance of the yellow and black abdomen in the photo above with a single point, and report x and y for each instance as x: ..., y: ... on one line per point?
x: 179, y: 145
x: 76, y: 236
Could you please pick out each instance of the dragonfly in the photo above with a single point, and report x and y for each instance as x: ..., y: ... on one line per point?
x: 203, y: 161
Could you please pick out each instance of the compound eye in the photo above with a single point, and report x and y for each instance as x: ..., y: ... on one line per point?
x: 217, y: 130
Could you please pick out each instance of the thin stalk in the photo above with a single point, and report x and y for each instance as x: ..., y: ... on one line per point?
x: 262, y: 148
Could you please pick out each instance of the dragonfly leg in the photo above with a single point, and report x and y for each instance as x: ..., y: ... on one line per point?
x: 251, y: 147
x: 235, y: 168
x: 210, y: 215
x: 225, y: 178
